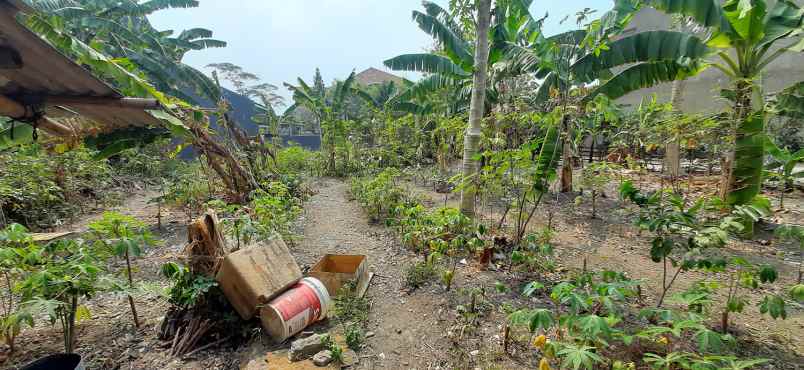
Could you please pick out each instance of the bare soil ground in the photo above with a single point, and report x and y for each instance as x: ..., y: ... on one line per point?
x: 422, y: 329
x: 610, y: 241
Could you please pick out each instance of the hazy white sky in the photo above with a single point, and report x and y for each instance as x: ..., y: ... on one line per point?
x: 280, y: 40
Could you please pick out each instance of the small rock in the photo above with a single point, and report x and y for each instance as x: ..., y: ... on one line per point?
x: 381, y: 355
x: 350, y: 358
x: 369, y: 334
x: 322, y: 358
x: 303, y: 348
x: 399, y: 331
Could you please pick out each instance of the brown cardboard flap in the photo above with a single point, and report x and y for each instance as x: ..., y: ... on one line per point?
x: 256, y: 274
x: 335, y: 270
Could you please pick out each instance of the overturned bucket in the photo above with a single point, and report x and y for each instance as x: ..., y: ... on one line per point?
x: 295, y: 309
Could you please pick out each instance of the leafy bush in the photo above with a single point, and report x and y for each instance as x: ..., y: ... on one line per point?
x: 587, y: 326
x: 65, y: 272
x: 419, y: 274
x: 16, y: 246
x: 274, y: 210
x: 380, y: 194
x: 187, y: 289
x: 354, y: 336
x: 152, y: 161
x: 125, y: 237
x: 39, y: 189
x: 443, y: 230
x: 187, y: 188
x: 294, y: 160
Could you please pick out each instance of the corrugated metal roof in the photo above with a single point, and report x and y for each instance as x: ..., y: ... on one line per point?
x: 45, y: 72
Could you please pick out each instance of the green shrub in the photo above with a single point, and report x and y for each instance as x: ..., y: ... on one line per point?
x: 187, y: 288
x: 419, y: 274
x: 274, y: 210
x: 354, y: 336
x: 349, y: 307
x: 294, y: 160
x: 39, y: 189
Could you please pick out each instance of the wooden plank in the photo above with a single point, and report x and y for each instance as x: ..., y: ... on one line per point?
x: 47, y: 237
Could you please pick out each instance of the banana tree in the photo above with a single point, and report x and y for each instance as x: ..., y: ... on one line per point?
x: 744, y: 37
x: 121, y: 30
x: 784, y: 164
x: 565, y: 63
x: 329, y: 110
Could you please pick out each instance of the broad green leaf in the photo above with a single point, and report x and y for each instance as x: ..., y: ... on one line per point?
x: 22, y: 133
x: 643, y: 75
x: 531, y: 288
x: 797, y: 293
x: 541, y: 318
x: 709, y: 341
x: 774, y: 306
x: 747, y: 18
x: 650, y: 46
x: 429, y: 63
x: 707, y: 13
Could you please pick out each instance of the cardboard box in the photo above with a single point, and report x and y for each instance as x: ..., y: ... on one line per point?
x: 335, y: 270
x: 252, y: 276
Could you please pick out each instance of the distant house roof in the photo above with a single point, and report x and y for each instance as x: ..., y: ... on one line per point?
x: 373, y: 76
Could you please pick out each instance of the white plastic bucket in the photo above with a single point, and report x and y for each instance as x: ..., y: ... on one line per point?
x: 303, y: 304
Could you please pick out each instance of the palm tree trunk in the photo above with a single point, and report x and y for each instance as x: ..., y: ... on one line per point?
x: 477, y: 106
x: 672, y: 157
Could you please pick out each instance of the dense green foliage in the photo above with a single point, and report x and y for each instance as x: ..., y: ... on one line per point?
x: 40, y: 189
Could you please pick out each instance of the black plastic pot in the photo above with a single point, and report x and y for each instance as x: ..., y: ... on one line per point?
x: 60, y: 361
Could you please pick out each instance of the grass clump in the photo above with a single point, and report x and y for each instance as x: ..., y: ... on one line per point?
x: 419, y: 274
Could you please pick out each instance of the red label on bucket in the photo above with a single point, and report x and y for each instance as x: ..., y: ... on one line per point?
x: 299, y: 298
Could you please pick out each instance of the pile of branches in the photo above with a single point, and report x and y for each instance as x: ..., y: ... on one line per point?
x: 210, y: 319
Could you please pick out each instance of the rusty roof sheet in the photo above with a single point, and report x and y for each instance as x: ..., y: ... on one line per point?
x: 45, y: 71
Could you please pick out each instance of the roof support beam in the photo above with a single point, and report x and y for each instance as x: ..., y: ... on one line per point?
x: 15, y: 110
x: 132, y: 103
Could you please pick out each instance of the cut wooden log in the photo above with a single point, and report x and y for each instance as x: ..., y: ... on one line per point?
x: 206, y: 246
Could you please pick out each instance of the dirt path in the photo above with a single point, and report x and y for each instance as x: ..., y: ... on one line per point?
x: 405, y: 326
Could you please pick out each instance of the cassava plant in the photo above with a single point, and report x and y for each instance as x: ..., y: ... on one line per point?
x: 125, y: 237
x: 595, y: 177
x: 17, y: 253
x: 795, y: 234
x: 681, y: 230
x: 70, y: 271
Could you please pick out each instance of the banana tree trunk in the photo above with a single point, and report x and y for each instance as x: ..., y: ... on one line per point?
x: 566, y: 156
x: 746, y: 158
x: 476, y: 108
x: 672, y: 157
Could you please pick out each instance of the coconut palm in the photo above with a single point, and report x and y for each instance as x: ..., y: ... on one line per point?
x: 450, y: 67
x: 476, y: 109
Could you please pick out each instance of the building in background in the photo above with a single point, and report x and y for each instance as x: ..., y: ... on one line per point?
x: 702, y: 92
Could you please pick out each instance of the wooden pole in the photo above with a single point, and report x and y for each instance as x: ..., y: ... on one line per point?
x: 15, y: 110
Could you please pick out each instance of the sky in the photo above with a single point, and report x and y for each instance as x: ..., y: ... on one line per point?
x: 280, y: 40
